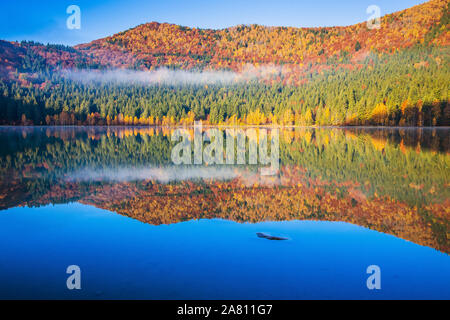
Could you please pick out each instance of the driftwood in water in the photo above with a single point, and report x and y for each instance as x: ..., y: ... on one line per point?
x: 268, y: 237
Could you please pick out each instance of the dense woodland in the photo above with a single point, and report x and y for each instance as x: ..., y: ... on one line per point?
x: 409, y: 88
x: 396, y: 75
x: 153, y: 45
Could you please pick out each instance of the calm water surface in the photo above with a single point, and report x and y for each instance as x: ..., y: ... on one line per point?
x: 112, y: 202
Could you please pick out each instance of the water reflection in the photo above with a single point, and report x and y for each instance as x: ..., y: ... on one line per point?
x: 161, y: 175
x: 122, y: 258
x: 392, y: 180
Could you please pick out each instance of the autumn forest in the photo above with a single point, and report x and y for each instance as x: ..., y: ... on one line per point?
x: 396, y: 75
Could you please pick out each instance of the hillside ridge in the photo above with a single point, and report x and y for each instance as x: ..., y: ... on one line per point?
x: 154, y: 44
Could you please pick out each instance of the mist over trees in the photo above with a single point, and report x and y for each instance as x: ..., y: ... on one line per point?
x: 164, y: 74
x: 408, y: 88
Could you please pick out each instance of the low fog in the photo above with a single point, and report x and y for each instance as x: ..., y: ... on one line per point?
x: 163, y: 175
x: 172, y: 77
x: 171, y: 174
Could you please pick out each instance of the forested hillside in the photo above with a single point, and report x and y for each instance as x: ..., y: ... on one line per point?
x: 395, y: 75
x: 154, y: 44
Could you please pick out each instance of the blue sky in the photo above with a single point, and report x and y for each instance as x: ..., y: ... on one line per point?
x: 45, y: 21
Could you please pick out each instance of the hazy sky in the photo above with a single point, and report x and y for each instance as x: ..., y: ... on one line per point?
x: 45, y: 21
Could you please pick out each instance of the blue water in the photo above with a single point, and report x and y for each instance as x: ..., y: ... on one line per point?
x: 208, y: 259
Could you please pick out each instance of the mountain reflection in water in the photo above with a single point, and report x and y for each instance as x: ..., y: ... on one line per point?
x: 395, y: 181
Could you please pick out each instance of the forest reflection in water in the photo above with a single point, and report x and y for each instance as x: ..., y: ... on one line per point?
x: 394, y: 180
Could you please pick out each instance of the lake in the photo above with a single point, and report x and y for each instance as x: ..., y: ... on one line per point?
x: 111, y: 201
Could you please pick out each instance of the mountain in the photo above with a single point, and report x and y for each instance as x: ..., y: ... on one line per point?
x: 396, y: 75
x: 153, y: 44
